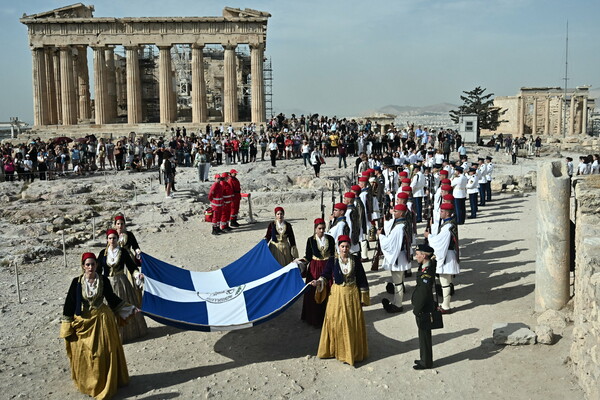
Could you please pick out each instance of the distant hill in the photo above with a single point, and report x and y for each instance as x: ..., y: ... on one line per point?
x: 441, y: 108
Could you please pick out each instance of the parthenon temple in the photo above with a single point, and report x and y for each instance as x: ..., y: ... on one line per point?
x: 224, y: 84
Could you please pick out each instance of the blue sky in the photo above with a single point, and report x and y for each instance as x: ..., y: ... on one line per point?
x: 346, y: 57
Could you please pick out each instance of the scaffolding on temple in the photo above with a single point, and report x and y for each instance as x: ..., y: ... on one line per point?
x: 268, y: 80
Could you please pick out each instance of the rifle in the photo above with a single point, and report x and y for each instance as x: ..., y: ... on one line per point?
x: 332, y: 198
x: 322, y: 205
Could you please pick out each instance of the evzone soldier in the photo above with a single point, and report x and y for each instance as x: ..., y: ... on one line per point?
x: 418, y: 188
x: 337, y: 223
x: 445, y: 245
x: 215, y: 197
x: 396, y: 247
x: 227, y: 200
x: 237, y: 197
x: 411, y: 221
x: 423, y: 304
x: 353, y: 220
x: 365, y: 205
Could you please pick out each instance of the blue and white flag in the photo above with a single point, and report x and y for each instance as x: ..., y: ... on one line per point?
x: 251, y: 290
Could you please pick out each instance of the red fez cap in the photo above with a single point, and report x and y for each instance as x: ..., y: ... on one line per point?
x: 403, y: 195
x: 356, y: 188
x: 119, y: 217
x: 444, y: 172
x: 447, y: 206
x: 111, y: 232
x: 400, y: 207
x: 447, y: 188
x: 217, y: 176
x: 370, y: 171
x: 233, y: 171
x: 340, y: 206
x: 319, y: 221
x: 445, y: 181
x: 365, y: 173
x: 350, y: 195
x: 403, y: 173
x: 277, y: 209
x: 344, y: 238
x: 224, y: 174
x: 85, y: 256
x: 405, y: 180
x: 448, y: 197
x: 363, y: 179
x: 406, y: 189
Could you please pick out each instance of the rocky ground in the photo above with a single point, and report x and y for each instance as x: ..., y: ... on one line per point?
x: 275, y: 359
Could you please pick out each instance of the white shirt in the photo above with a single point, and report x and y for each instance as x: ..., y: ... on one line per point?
x: 489, y: 171
x: 459, y: 183
x: 418, y: 184
x: 472, y: 184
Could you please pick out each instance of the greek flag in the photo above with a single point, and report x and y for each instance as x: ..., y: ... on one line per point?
x: 247, y: 292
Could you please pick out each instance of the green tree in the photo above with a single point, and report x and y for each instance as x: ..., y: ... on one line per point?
x: 476, y: 102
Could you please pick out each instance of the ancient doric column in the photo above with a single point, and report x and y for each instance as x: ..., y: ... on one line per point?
x: 165, y: 84
x: 174, y: 91
x: 67, y: 87
x: 521, y: 119
x: 584, y: 116
x: 258, y: 88
x: 534, y: 117
x: 547, y: 117
x: 75, y: 72
x: 40, y: 102
x: 111, y: 84
x: 50, y: 87
x: 83, y: 82
x: 134, y: 86
x: 100, y: 85
x: 199, y: 112
x: 230, y: 104
x: 58, y: 102
x: 572, y: 116
x: 553, y: 236
x: 559, y: 125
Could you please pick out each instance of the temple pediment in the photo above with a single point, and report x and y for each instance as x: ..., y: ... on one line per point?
x: 77, y: 10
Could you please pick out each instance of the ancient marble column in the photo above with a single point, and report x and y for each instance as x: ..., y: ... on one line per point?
x: 40, y: 102
x: 100, y: 86
x: 75, y: 72
x: 134, y: 86
x: 521, y: 119
x: 534, y: 116
x: 58, y: 101
x: 67, y: 87
x: 111, y: 84
x: 230, y: 103
x: 199, y: 111
x: 553, y: 236
x: 50, y: 87
x: 572, y: 116
x: 165, y: 84
x: 83, y: 82
x: 174, y: 92
x: 257, y: 52
x: 584, y: 116
x: 559, y: 129
x: 547, y: 117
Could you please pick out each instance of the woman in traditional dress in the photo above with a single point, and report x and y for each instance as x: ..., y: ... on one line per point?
x: 280, y: 236
x: 89, y: 328
x: 344, y: 334
x: 319, y: 249
x: 111, y: 264
x: 127, y: 239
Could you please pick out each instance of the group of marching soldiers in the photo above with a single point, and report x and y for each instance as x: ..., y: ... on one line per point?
x: 224, y: 197
x: 388, y: 202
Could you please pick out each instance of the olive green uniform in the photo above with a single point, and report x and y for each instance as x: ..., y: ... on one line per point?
x: 422, y: 301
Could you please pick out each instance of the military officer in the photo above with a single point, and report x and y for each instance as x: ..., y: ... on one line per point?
x: 423, y: 304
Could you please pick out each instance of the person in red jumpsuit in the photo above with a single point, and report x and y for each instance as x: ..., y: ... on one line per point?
x: 215, y: 196
x: 227, y: 199
x: 237, y: 196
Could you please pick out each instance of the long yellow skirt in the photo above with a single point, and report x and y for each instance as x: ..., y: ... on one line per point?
x: 344, y: 334
x: 98, y: 364
x: 136, y: 324
x: 282, y: 252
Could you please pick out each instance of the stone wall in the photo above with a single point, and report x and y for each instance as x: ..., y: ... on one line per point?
x: 585, y: 350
